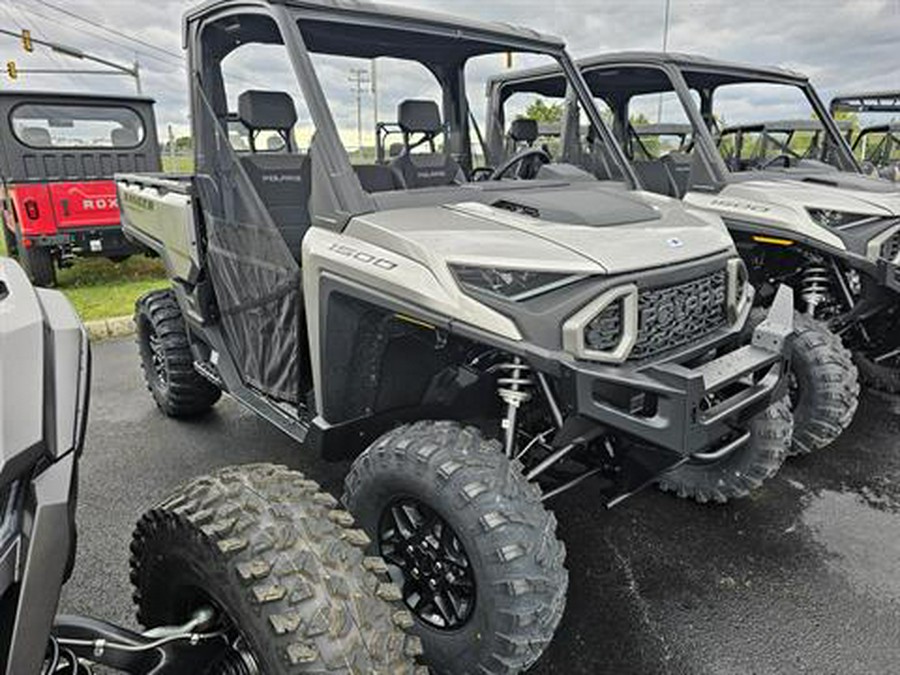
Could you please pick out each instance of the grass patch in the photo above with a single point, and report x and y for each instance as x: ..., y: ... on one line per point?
x: 102, y: 289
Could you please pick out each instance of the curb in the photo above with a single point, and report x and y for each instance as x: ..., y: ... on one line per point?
x: 103, y: 329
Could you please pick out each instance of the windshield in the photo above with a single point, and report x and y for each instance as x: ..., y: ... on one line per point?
x: 762, y: 125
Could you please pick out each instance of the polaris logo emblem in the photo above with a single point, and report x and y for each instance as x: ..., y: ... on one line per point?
x: 674, y: 242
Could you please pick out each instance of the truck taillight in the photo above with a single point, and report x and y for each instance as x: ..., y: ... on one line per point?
x: 31, y: 209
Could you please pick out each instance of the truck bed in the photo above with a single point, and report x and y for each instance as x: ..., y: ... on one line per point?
x: 158, y: 213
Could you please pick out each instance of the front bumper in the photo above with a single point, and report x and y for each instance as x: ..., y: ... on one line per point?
x: 689, y: 410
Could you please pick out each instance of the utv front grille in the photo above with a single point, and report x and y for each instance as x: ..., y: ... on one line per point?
x: 668, y: 317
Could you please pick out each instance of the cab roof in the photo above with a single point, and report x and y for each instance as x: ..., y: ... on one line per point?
x: 392, y: 16
x: 71, y: 96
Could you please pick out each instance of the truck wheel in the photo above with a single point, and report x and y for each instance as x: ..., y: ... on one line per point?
x: 824, y: 388
x: 742, y: 470
x: 468, y: 541
x: 883, y: 378
x: 9, y: 238
x: 166, y: 359
x: 824, y: 383
x: 38, y: 262
x: 282, y: 570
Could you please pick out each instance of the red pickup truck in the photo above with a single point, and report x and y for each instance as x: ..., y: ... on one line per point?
x: 58, y: 154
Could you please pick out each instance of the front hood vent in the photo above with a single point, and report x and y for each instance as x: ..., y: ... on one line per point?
x: 514, y: 207
x: 590, y: 207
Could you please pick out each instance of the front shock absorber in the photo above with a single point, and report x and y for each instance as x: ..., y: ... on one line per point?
x: 815, y: 287
x: 514, y: 387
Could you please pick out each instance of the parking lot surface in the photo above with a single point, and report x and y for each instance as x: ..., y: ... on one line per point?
x: 802, y: 578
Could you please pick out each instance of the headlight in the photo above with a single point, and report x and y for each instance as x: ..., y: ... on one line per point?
x: 836, y: 219
x: 515, y: 285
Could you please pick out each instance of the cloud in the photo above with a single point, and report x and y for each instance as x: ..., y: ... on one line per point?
x: 841, y: 44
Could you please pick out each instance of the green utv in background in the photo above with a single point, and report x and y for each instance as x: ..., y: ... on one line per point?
x: 479, y: 338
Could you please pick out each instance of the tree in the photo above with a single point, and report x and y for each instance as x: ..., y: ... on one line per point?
x: 542, y: 112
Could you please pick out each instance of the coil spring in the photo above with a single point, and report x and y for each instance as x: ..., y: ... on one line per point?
x: 514, y: 386
x: 237, y: 662
x: 815, y: 286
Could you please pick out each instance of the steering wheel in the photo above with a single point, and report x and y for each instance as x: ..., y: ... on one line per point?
x: 480, y: 173
x: 784, y: 158
x: 526, y: 164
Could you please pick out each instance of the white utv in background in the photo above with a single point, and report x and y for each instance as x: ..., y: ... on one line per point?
x: 876, y: 144
x: 791, y: 194
x: 214, y: 593
x: 478, y: 346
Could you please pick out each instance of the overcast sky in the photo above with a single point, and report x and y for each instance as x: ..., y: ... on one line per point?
x: 849, y: 44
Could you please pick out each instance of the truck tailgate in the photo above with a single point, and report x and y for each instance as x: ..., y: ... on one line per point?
x: 84, y: 204
x: 158, y: 212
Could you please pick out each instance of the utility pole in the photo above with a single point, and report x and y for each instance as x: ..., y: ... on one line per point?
x: 359, y: 78
x: 665, y: 48
x: 375, y: 96
x: 75, y: 53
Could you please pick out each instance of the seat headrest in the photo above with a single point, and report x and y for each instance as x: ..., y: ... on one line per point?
x: 267, y: 110
x: 123, y: 138
x: 419, y: 117
x: 36, y: 136
x: 523, y: 131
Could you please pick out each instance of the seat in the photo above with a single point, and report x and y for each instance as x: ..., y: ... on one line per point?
x: 376, y: 178
x: 282, y: 178
x: 523, y: 132
x: 431, y: 169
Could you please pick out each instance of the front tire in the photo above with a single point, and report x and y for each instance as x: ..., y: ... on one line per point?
x: 452, y: 514
x: 282, y: 569
x: 826, y: 392
x: 742, y: 470
x: 166, y: 358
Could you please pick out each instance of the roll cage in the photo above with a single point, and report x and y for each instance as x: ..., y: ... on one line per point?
x: 873, y: 102
x: 616, y: 78
x: 443, y: 44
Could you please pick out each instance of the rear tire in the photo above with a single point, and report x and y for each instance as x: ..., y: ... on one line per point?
x: 741, y: 471
x: 283, y: 568
x: 166, y: 358
x: 9, y: 238
x: 827, y: 391
x: 508, y: 584
x: 38, y: 262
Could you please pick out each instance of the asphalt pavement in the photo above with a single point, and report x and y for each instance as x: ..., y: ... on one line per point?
x: 804, y: 577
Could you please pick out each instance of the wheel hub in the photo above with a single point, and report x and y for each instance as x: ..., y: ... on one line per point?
x: 436, y: 574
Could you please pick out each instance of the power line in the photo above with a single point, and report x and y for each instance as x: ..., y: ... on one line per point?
x: 174, y: 59
x: 103, y: 26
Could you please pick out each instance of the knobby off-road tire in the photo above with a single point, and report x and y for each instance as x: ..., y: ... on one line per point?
x: 885, y: 379
x: 38, y: 262
x: 279, y: 559
x: 509, y: 539
x: 826, y: 394
x: 825, y: 383
x: 741, y: 471
x: 166, y: 359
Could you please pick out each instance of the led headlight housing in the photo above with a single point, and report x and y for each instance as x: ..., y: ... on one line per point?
x: 739, y: 291
x: 510, y: 284
x: 837, y: 219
